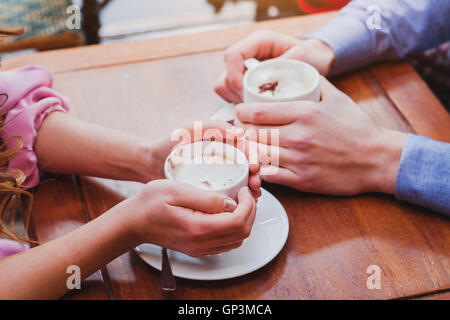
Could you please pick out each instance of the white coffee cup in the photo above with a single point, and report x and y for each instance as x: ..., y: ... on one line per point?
x: 209, y: 165
x: 296, y: 80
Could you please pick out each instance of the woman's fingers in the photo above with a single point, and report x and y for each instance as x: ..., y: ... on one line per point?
x: 246, y: 208
x: 239, y: 222
x: 229, y: 217
x: 187, y: 196
x: 212, y: 233
x: 221, y: 249
x: 238, y: 228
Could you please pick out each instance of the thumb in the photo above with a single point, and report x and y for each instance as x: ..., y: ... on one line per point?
x: 187, y: 196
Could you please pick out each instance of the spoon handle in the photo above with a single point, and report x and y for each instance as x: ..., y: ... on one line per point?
x: 167, y: 279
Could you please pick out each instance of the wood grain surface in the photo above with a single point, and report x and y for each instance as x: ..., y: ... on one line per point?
x: 151, y: 87
x: 57, y: 210
x: 439, y: 296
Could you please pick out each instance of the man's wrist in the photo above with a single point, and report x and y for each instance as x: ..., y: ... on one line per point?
x: 320, y: 55
x: 387, y: 151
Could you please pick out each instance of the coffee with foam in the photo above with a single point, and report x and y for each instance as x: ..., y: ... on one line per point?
x: 209, y: 166
x: 281, y: 80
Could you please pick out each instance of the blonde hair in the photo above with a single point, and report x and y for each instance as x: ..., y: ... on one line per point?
x: 12, y: 196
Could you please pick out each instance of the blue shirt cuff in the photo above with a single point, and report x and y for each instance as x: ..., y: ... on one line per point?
x: 423, y: 176
x: 350, y: 40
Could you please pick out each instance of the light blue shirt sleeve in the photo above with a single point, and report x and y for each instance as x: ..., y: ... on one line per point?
x: 365, y: 31
x: 423, y: 176
x: 359, y: 38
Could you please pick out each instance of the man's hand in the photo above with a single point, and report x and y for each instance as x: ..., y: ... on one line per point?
x: 329, y: 147
x: 264, y: 45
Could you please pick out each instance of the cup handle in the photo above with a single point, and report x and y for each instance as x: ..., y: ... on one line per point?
x: 251, y: 63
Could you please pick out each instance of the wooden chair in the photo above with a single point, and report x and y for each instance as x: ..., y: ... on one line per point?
x: 44, y: 22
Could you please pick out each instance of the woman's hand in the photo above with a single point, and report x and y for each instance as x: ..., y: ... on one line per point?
x: 154, y: 168
x: 184, y: 218
x: 264, y: 45
x: 166, y: 213
x: 330, y: 147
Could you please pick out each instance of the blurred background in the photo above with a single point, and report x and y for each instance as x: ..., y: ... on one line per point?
x: 115, y: 20
x: 104, y: 21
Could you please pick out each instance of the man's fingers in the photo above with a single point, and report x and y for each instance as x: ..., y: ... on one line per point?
x: 279, y: 175
x: 293, y: 157
x: 327, y: 89
x: 225, y: 92
x: 261, y: 45
x: 234, y: 62
x: 279, y: 113
x: 256, y: 194
x: 270, y: 135
x: 207, y: 130
x: 254, y: 181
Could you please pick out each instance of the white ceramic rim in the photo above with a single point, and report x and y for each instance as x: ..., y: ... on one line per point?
x: 271, y: 61
x: 169, y: 176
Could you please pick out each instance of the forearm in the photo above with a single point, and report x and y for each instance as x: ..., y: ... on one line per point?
x: 40, y: 273
x: 71, y: 146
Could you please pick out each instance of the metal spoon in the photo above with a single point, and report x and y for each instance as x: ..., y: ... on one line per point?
x: 167, y: 279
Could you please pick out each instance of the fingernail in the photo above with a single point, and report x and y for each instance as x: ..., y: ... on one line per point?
x: 229, y: 205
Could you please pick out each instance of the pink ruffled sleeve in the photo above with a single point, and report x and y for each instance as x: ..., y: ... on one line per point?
x: 30, y: 100
x: 9, y: 247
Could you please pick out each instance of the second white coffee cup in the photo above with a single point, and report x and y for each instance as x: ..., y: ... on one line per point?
x: 295, y: 80
x: 209, y: 165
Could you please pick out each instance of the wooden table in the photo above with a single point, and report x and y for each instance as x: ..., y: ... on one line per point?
x: 150, y: 87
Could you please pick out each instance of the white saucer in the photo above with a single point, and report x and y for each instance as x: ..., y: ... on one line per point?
x: 225, y: 113
x: 269, y: 234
